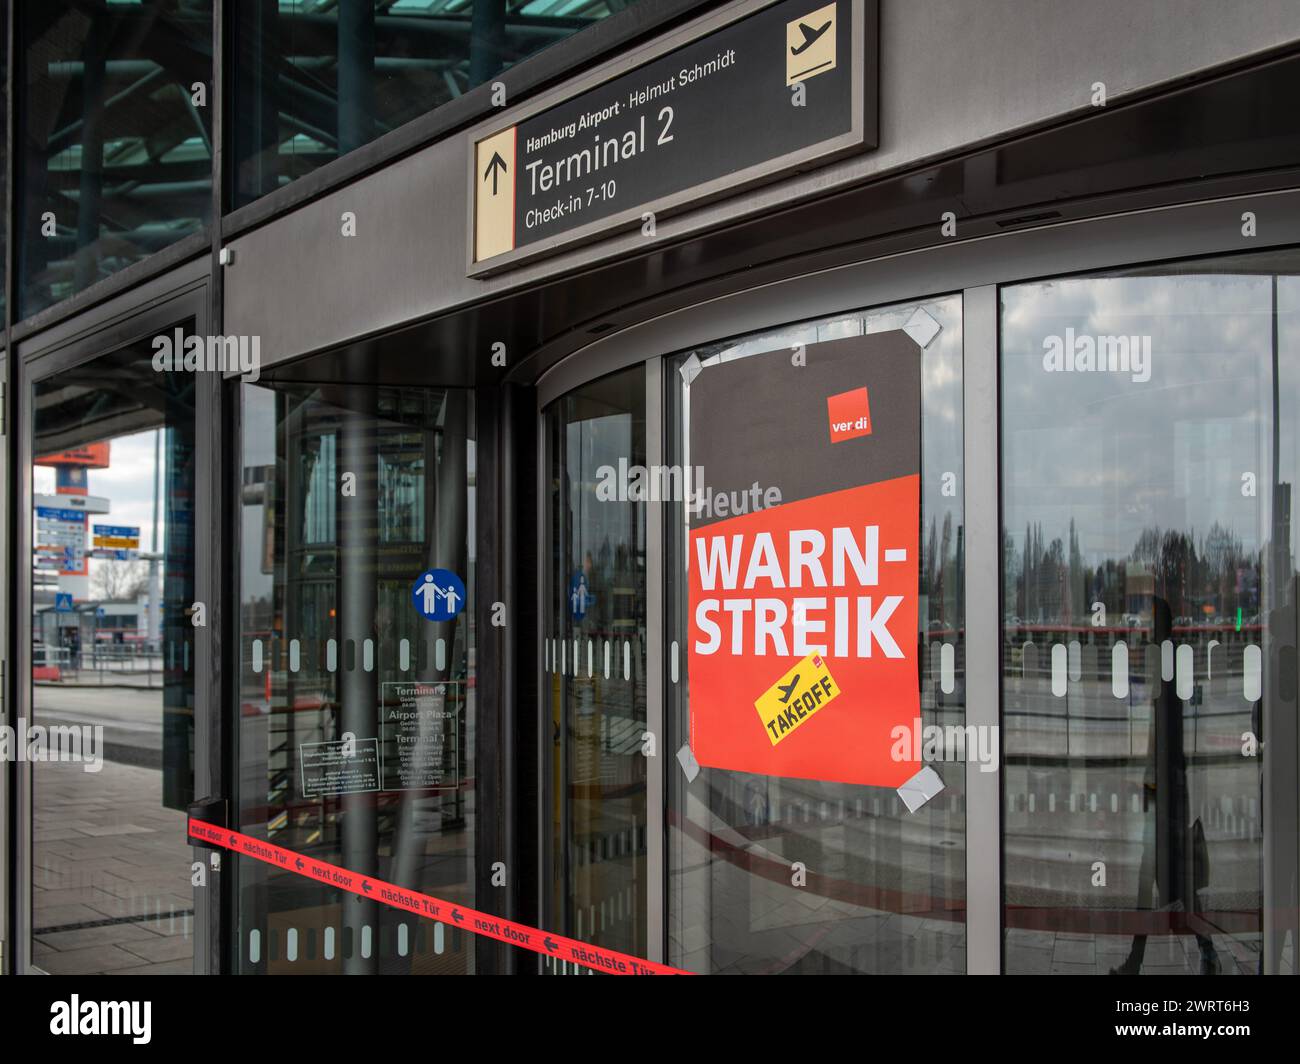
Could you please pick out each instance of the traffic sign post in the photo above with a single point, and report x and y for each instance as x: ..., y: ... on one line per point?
x: 117, y: 537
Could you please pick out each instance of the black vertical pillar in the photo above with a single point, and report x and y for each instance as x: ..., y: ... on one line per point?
x: 255, y: 129
x: 487, y: 40
x: 493, y: 642
x: 356, y: 86
x: 449, y: 539
x: 178, y: 592
x: 92, y: 151
x: 520, y: 703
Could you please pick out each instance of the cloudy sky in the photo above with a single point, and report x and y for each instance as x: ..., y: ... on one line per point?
x: 1117, y: 455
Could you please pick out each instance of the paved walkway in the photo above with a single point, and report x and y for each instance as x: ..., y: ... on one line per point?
x: 111, y: 883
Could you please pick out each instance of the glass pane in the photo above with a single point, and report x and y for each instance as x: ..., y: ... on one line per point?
x: 595, y: 660
x: 356, y: 713
x: 1148, y: 569
x: 115, y: 138
x: 4, y: 161
x: 884, y: 888
x: 112, y: 668
x: 315, y: 81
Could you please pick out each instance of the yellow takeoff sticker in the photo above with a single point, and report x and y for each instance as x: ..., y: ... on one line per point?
x: 795, y: 697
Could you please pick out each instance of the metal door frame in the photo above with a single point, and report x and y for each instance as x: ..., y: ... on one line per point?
x: 6, y: 636
x: 655, y: 780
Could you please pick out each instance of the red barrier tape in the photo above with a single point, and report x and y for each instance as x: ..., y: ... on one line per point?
x: 471, y: 920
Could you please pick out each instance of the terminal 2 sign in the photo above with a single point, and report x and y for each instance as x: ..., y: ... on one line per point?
x: 742, y: 96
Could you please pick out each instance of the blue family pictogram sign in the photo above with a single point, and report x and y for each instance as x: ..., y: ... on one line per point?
x: 580, y: 596
x: 439, y: 594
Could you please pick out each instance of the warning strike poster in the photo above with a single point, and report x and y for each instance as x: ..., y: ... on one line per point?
x: 803, y: 615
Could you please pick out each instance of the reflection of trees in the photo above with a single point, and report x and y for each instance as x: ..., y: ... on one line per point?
x: 114, y: 581
x: 940, y: 575
x: 1050, y: 582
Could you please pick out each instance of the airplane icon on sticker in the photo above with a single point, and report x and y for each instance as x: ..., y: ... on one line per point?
x: 810, y: 36
x: 810, y: 45
x: 795, y: 697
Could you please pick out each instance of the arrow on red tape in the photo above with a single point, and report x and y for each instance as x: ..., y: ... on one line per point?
x: 425, y: 905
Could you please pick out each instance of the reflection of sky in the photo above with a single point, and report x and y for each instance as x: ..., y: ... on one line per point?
x: 1119, y: 456
x: 598, y: 527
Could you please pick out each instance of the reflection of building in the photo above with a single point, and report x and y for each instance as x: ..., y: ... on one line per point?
x: 72, y: 634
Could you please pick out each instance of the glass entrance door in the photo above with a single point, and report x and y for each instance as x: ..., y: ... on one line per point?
x: 595, y: 667
x: 1149, y: 455
x: 355, y: 726
x: 111, y: 742
x: 798, y: 873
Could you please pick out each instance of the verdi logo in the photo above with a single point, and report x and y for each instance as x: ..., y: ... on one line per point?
x: 849, y: 415
x: 179, y: 353
x: 1086, y: 353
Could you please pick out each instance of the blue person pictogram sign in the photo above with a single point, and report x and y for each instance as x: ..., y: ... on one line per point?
x: 439, y: 594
